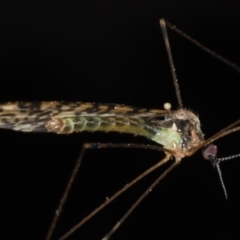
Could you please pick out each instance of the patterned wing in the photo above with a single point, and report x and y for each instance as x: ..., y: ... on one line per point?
x: 33, y: 116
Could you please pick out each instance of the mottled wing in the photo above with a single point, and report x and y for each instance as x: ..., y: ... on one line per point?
x: 33, y: 116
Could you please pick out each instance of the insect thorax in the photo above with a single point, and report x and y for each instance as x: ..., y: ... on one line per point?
x: 180, y: 133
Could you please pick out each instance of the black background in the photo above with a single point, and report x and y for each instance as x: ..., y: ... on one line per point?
x: 113, y: 52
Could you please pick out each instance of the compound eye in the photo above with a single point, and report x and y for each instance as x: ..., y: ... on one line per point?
x: 209, y: 152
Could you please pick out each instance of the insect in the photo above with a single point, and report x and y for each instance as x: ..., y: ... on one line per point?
x: 178, y: 132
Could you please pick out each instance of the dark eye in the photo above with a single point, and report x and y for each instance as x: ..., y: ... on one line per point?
x: 209, y: 152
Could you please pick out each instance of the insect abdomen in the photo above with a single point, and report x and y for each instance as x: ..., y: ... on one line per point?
x: 106, y: 124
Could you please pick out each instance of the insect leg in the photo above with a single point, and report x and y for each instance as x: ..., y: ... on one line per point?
x: 201, y: 46
x: 73, y: 175
x: 139, y: 200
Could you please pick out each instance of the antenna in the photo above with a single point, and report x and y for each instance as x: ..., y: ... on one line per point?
x: 210, y: 153
x: 170, y: 58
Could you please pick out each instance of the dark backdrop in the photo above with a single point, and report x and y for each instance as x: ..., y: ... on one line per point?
x: 113, y: 52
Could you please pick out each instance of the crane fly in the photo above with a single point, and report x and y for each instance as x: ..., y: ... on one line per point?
x: 176, y: 133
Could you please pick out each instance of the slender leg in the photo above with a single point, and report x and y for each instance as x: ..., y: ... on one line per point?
x: 201, y: 46
x: 139, y: 200
x: 74, y: 173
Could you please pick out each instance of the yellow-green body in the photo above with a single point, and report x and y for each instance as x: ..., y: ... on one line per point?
x: 176, y: 131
